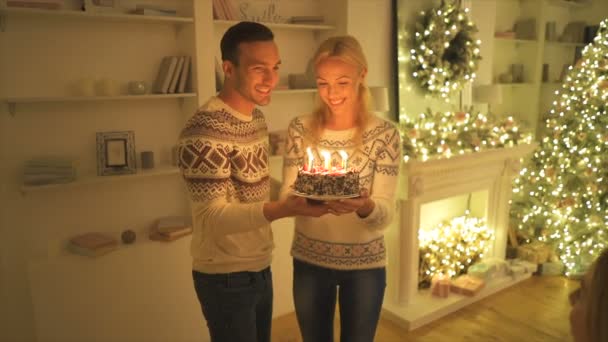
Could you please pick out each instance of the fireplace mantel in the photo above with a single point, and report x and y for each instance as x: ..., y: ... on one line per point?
x: 434, y: 180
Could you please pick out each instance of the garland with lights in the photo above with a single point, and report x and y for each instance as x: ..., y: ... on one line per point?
x: 561, y: 196
x: 442, y: 135
x: 444, y: 54
x: 451, y: 247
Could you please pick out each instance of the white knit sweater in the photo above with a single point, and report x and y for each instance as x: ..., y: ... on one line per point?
x: 347, y: 241
x: 223, y: 156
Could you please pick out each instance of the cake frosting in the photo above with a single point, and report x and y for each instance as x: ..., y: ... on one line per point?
x: 343, y: 183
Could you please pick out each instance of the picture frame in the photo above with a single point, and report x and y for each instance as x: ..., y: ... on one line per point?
x: 116, y: 153
x: 101, y: 6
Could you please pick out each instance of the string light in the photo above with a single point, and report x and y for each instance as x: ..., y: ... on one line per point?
x: 442, y: 135
x: 452, y: 246
x: 561, y: 196
x: 444, y: 54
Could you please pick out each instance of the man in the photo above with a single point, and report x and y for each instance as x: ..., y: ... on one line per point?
x: 224, y: 160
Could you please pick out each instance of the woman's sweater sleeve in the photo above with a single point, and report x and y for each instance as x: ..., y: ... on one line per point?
x: 384, y: 185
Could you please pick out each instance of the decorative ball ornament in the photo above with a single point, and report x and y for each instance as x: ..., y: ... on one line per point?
x: 128, y: 237
x: 445, y: 53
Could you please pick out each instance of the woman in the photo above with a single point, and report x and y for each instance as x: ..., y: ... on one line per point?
x: 343, y: 255
x: 589, y: 314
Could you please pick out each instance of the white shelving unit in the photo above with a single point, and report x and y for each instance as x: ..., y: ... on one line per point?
x: 529, y: 100
x: 14, y: 101
x: 73, y: 14
x: 281, y: 25
x: 93, y: 179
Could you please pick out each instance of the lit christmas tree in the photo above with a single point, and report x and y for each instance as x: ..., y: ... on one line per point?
x: 561, y: 196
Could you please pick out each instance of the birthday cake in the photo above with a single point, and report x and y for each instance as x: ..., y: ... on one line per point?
x: 327, y: 183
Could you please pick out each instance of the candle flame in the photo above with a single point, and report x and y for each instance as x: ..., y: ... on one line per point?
x: 311, y: 158
x: 326, y: 159
x: 344, y: 158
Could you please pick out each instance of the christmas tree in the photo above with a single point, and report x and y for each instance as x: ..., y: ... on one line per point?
x: 561, y: 196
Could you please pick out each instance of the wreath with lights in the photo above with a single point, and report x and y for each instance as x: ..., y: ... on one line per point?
x: 445, y: 53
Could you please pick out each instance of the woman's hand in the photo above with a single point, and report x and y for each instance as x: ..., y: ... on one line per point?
x: 362, y: 205
x: 300, y: 206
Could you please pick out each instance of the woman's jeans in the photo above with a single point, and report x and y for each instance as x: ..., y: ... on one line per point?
x: 360, y: 294
x: 237, y: 306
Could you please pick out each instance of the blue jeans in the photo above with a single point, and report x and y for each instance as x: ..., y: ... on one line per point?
x: 237, y: 306
x: 360, y: 293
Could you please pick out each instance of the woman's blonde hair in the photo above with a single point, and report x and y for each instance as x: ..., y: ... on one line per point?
x: 348, y: 50
x: 597, y: 302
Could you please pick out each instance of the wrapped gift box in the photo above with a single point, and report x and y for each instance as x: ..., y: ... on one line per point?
x: 551, y: 268
x: 535, y: 252
x: 467, y: 285
x: 517, y: 270
x: 517, y: 264
x: 488, y: 269
x: 440, y: 286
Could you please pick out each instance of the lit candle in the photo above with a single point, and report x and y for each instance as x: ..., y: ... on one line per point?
x: 344, y: 158
x: 310, y: 158
x: 326, y: 159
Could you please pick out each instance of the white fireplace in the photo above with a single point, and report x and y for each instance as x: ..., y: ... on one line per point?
x: 488, y: 173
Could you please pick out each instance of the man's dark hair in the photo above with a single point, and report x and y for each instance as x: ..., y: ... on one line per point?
x: 243, y: 32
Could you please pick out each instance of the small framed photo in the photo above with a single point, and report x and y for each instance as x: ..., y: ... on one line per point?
x: 116, y: 153
x: 101, y: 6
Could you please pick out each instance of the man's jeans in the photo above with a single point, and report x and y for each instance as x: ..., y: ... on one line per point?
x: 360, y: 294
x: 237, y: 306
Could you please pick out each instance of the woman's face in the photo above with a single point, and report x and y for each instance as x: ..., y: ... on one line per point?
x: 579, y: 299
x: 338, y: 85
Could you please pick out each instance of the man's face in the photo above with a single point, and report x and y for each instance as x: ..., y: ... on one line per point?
x: 257, y: 72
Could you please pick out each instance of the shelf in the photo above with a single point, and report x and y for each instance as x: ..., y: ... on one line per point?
x: 516, y: 41
x: 95, y: 16
x: 294, y: 91
x: 517, y: 85
x: 13, y: 101
x: 565, y: 44
x: 282, y: 26
x: 572, y: 4
x: 87, y: 180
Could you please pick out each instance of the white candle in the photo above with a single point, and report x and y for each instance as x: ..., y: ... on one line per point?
x: 310, y: 158
x: 344, y: 158
x: 326, y: 159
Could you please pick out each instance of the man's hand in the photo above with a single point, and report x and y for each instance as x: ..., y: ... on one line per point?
x: 294, y: 206
x: 301, y: 206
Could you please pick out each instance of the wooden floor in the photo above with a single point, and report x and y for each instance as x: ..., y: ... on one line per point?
x: 534, y: 310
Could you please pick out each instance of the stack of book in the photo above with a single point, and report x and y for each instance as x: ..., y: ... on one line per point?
x: 170, y: 228
x: 49, y: 170
x: 307, y: 19
x: 145, y: 9
x: 92, y: 244
x: 224, y: 10
x: 173, y: 75
x: 39, y: 4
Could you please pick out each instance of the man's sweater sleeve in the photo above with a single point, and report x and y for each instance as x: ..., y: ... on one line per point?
x: 293, y: 157
x: 205, y: 163
x: 384, y: 185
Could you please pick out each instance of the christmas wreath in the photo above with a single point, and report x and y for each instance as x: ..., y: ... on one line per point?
x: 445, y: 54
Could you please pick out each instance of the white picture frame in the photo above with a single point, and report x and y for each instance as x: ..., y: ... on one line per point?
x: 101, y: 6
x: 116, y: 153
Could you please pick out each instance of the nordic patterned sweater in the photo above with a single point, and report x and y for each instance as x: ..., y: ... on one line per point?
x: 223, y: 156
x: 346, y: 242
